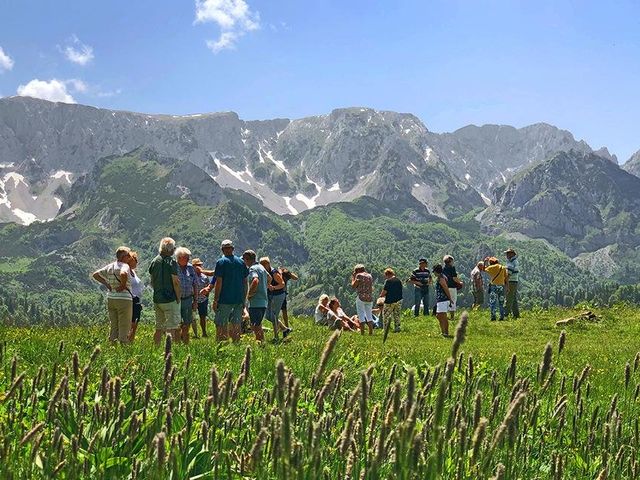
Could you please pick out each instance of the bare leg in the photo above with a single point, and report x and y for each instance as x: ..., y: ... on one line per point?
x: 285, y: 317
x: 132, y: 332
x: 158, y: 335
x: 203, y: 325
x: 194, y: 326
x: 222, y: 332
x: 370, y: 325
x: 444, y: 324
x: 184, y: 333
x: 258, y: 332
x: 234, y: 332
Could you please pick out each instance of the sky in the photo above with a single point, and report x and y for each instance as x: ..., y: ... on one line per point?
x: 573, y: 64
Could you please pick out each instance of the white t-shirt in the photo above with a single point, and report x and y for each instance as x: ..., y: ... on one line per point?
x: 111, y: 274
x: 320, y: 316
x: 136, y: 285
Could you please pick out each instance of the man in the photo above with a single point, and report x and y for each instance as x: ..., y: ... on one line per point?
x: 230, y: 293
x: 202, y: 281
x: 257, y: 294
x: 421, y: 279
x: 166, y: 291
x: 511, y: 304
x: 477, y: 286
x: 453, y: 283
x: 189, y: 290
x: 498, y: 275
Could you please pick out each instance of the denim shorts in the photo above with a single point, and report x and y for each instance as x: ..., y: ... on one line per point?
x: 229, y: 313
x: 203, y: 308
x: 256, y: 314
x: 186, y: 310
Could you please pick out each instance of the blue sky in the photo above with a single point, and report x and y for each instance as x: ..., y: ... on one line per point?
x: 574, y: 64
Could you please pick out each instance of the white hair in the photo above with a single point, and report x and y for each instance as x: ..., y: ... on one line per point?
x: 180, y: 251
x: 167, y: 247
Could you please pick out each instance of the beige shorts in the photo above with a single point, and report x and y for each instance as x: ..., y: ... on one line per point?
x: 167, y: 315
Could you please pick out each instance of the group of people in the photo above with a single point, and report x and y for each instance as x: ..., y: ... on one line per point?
x: 502, y: 292
x: 244, y: 290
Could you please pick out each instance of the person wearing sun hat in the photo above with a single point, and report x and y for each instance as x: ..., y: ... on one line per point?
x: 511, y: 302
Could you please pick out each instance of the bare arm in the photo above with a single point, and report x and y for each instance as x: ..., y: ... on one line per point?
x: 293, y: 276
x: 208, y: 273
x: 253, y: 287
x: 354, y: 282
x: 279, y: 283
x: 98, y: 278
x: 445, y: 288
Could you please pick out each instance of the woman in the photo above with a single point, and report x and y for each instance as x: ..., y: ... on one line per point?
x: 340, y: 320
x: 116, y: 279
x: 362, y: 282
x: 287, y: 275
x: 392, y: 293
x: 454, y: 283
x: 203, y: 300
x: 276, y: 296
x: 136, y: 292
x: 499, y: 276
x: 188, y: 290
x: 322, y: 309
x: 443, y: 299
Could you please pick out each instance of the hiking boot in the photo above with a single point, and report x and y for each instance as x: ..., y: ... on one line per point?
x: 286, y: 332
x: 396, y: 330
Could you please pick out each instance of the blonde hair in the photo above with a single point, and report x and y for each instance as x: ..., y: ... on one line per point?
x: 265, y: 260
x: 122, y: 251
x: 389, y: 271
x: 133, y: 255
x: 323, y: 297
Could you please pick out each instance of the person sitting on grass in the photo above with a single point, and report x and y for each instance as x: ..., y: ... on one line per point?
x: 443, y: 299
x: 340, y: 320
x: 322, y: 309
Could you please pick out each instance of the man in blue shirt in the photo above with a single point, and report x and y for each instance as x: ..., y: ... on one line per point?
x: 230, y: 293
x: 258, y: 293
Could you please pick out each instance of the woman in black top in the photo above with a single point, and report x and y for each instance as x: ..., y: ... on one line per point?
x: 453, y: 282
x: 392, y: 293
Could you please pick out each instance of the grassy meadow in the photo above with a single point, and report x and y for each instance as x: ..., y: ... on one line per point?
x: 516, y: 399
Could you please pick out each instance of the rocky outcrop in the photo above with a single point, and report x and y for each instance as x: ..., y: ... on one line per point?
x: 578, y: 202
x: 633, y: 164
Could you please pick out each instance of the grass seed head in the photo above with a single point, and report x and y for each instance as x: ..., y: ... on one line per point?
x: 545, y: 365
x: 562, y: 340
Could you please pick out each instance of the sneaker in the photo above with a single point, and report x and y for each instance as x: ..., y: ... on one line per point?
x: 396, y: 330
x: 286, y: 332
x: 446, y: 335
x: 493, y: 319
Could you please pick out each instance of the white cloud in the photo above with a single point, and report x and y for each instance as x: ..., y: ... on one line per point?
x: 53, y: 90
x: 6, y: 62
x: 234, y: 17
x: 78, y: 52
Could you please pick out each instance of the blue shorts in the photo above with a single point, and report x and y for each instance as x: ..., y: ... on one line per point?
x: 256, y: 314
x: 229, y: 313
x: 186, y: 310
x: 203, y: 308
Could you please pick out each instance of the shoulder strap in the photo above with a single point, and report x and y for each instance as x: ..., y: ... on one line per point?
x: 498, y: 274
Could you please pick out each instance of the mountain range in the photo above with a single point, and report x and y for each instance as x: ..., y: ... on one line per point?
x: 64, y: 170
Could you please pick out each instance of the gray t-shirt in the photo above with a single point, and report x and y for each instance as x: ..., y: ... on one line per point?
x: 259, y: 299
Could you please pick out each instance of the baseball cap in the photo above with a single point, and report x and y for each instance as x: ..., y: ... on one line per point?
x: 226, y: 243
x: 196, y: 262
x: 510, y: 250
x: 422, y: 259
